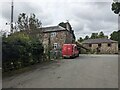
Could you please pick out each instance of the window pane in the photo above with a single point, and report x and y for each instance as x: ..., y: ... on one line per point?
x: 99, y: 45
x: 109, y: 45
x: 90, y: 45
x: 53, y: 34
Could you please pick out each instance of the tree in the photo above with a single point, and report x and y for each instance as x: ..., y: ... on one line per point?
x: 31, y: 24
x: 80, y: 39
x: 101, y: 35
x: 20, y: 50
x: 23, y: 22
x: 14, y: 50
x: 28, y: 23
x: 34, y: 23
x: 86, y: 37
x: 116, y: 7
x: 115, y: 36
x: 94, y: 36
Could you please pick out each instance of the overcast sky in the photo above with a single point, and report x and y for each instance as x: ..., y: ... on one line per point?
x: 85, y: 16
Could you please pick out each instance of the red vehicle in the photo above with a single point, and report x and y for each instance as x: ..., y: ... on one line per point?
x: 70, y: 50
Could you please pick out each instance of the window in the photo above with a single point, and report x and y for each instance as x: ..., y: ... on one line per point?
x: 53, y: 34
x: 55, y: 45
x: 99, y: 45
x: 109, y: 44
x: 90, y: 45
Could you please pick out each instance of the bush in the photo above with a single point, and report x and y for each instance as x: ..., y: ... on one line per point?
x: 20, y: 50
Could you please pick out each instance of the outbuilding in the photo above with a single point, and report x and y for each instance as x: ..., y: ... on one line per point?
x: 101, y: 45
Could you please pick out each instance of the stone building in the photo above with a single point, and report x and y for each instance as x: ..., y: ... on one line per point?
x: 53, y: 36
x: 56, y: 36
x: 101, y: 45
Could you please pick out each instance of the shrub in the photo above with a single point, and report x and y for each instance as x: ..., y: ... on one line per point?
x: 20, y: 50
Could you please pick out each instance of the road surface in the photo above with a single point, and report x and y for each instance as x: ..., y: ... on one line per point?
x: 85, y: 71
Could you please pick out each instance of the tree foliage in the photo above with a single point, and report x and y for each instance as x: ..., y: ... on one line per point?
x: 23, y: 22
x: 93, y: 36
x: 34, y: 23
x: 101, y: 35
x: 98, y: 35
x: 26, y: 22
x: 20, y: 50
x: 116, y: 7
x: 116, y: 36
x: 80, y: 39
x: 86, y: 37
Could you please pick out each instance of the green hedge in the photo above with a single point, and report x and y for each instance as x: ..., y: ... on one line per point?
x: 20, y: 50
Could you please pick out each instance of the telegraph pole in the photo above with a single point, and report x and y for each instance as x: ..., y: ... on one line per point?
x: 11, y: 24
x: 119, y: 31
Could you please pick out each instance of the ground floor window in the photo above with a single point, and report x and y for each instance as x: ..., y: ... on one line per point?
x: 99, y: 45
x: 90, y: 45
x: 109, y: 44
x: 55, y: 45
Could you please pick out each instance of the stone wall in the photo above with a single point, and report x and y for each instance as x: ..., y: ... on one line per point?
x: 69, y: 38
x: 59, y: 38
x: 109, y: 49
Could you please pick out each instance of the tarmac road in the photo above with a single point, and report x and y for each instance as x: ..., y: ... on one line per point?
x: 85, y: 71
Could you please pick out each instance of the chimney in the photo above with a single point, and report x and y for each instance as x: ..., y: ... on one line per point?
x: 67, y: 25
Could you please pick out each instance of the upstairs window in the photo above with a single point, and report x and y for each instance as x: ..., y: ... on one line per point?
x: 53, y: 34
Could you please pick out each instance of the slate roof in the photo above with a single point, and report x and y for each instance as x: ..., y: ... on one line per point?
x: 100, y: 40
x: 53, y: 28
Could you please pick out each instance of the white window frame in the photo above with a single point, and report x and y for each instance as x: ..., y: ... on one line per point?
x: 55, y: 45
x: 53, y: 34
